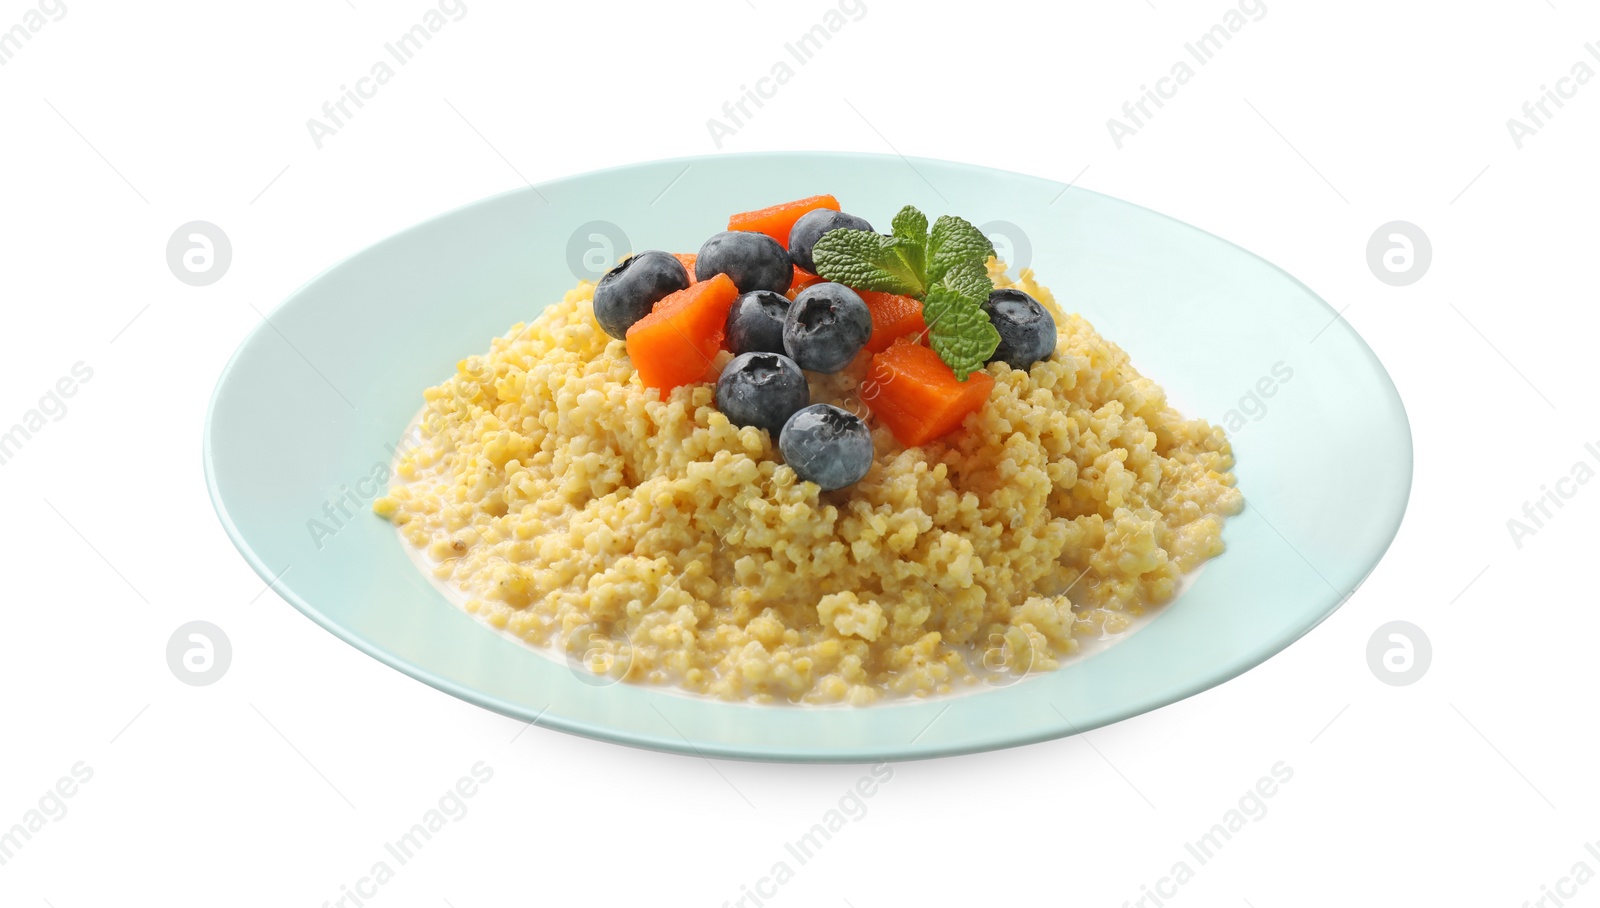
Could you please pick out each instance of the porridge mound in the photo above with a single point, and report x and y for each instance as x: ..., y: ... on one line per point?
x: 656, y: 541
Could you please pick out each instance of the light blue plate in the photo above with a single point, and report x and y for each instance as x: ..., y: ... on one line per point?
x: 306, y: 411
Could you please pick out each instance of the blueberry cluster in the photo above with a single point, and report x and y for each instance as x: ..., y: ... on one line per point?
x: 775, y: 342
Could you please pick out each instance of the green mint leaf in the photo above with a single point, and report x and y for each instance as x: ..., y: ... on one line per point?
x: 958, y: 328
x: 911, y: 226
x: 970, y: 279
x: 867, y: 261
x: 952, y: 242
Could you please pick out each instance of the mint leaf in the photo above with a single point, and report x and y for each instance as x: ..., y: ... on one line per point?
x: 970, y: 279
x: 952, y: 242
x: 868, y: 261
x: 958, y: 328
x: 911, y: 226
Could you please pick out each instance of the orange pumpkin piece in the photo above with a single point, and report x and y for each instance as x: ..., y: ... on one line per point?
x: 893, y: 316
x: 777, y: 220
x: 687, y: 260
x: 677, y: 342
x: 911, y: 390
x: 802, y: 280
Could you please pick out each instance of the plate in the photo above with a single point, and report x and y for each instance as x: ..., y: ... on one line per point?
x: 301, y: 427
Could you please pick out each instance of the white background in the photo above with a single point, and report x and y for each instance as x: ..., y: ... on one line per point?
x: 279, y: 784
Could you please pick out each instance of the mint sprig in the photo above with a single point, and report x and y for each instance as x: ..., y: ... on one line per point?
x: 943, y: 267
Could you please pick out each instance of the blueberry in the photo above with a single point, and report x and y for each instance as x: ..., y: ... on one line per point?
x: 827, y: 326
x: 761, y: 390
x: 753, y: 261
x: 826, y: 445
x: 755, y: 323
x: 627, y: 292
x: 810, y: 228
x: 1027, y: 332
